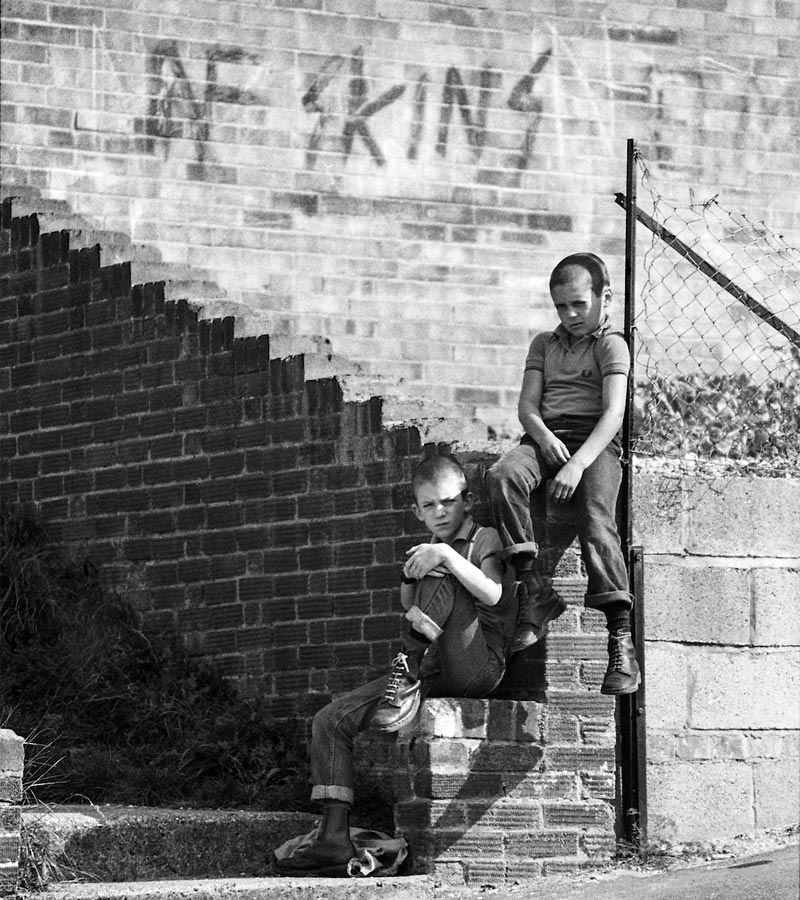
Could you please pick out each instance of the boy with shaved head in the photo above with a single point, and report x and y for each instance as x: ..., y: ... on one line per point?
x: 571, y: 405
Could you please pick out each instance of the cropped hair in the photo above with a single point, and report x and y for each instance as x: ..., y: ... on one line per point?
x: 593, y: 265
x: 432, y: 468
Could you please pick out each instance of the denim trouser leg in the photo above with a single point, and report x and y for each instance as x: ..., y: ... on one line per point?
x: 595, y: 509
x: 509, y: 485
x: 461, y: 665
x: 522, y: 470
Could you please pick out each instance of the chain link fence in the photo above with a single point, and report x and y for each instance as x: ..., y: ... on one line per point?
x: 717, y: 337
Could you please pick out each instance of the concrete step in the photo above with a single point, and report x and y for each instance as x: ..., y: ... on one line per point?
x: 112, y: 843
x: 411, y: 887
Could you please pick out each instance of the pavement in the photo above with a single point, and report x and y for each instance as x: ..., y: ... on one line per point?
x: 769, y: 874
x: 774, y: 875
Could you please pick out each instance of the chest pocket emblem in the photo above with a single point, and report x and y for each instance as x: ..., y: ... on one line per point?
x: 586, y: 373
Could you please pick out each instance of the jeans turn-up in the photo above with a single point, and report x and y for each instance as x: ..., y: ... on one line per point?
x: 459, y: 663
x: 512, y: 480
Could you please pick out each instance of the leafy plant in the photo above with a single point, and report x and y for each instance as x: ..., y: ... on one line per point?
x: 719, y: 417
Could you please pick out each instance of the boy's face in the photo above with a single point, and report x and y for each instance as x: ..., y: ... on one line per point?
x: 579, y: 308
x: 443, y: 505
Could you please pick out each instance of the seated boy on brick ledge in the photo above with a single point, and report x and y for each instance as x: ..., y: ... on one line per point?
x: 571, y: 406
x: 460, y: 617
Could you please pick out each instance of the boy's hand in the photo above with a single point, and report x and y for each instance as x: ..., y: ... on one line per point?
x: 554, y: 450
x: 424, y: 558
x: 566, y: 480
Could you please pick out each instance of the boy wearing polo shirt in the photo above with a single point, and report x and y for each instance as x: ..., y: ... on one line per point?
x: 571, y: 405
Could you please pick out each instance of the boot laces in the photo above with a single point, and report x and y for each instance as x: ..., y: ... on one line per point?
x: 398, y: 675
x: 617, y: 661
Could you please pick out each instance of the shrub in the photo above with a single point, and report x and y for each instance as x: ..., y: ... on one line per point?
x: 113, y: 715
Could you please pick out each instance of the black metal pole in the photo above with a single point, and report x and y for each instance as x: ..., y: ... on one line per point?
x: 630, y: 732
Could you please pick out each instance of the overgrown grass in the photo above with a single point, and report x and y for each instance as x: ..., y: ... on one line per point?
x: 113, y: 715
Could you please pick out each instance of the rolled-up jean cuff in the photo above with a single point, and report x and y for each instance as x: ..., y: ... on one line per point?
x: 598, y: 601
x: 423, y: 623
x: 332, y: 792
x: 528, y: 547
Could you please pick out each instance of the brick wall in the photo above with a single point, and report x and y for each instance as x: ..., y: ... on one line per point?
x: 398, y: 177
x: 253, y: 511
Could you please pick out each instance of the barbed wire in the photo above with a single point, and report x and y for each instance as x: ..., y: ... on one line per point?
x: 717, y: 358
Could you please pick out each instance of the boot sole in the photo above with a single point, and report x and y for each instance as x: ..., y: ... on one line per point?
x: 408, y: 717
x: 624, y: 691
x: 339, y: 870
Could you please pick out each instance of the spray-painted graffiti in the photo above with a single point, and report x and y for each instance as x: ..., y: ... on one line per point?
x: 350, y: 115
x: 179, y: 108
x: 359, y: 107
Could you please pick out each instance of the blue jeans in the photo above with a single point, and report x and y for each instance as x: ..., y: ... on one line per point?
x: 459, y: 663
x: 515, y: 476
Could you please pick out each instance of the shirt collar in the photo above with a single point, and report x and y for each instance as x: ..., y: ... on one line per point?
x: 561, y: 334
x: 461, y: 535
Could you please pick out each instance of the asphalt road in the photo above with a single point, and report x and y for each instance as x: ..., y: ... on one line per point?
x: 773, y: 875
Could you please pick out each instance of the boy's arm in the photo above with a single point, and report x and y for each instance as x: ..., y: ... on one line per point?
x: 483, y: 583
x: 569, y: 475
x: 530, y: 416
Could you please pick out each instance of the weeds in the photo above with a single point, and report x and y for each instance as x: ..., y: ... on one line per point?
x: 117, y: 716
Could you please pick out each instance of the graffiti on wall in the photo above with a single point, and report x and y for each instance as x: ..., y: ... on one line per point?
x: 347, y: 115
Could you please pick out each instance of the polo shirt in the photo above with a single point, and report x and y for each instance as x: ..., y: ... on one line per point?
x: 572, y: 376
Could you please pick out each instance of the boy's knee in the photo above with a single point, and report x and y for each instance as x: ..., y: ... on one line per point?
x: 501, y: 472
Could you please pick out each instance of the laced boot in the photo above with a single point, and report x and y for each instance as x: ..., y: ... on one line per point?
x: 331, y: 850
x: 622, y: 674
x: 537, y: 610
x: 402, y: 696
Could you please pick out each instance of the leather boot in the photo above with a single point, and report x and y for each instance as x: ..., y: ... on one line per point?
x: 622, y: 674
x: 538, y: 608
x: 402, y: 696
x: 330, y: 853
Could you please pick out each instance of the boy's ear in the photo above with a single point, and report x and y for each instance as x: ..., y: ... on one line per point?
x: 417, y: 513
x: 608, y: 295
x: 469, y: 501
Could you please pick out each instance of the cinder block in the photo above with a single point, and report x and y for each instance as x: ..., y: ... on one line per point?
x: 727, y: 688
x: 667, y: 686
x: 699, y: 801
x: 12, y: 752
x: 687, y: 602
x: 743, y: 517
x: 657, y: 519
x: 777, y: 792
x: 776, y: 620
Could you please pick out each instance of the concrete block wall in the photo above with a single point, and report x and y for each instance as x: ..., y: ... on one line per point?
x: 397, y: 177
x: 12, y: 754
x: 722, y: 651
